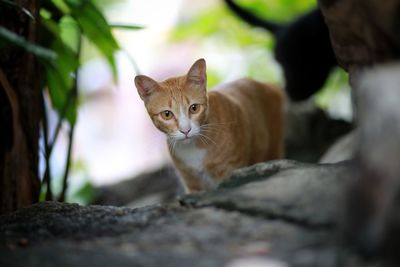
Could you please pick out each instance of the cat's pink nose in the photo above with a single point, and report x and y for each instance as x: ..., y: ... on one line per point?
x: 185, y: 132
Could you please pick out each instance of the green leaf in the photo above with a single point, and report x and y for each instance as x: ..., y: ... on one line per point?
x: 67, y: 29
x: 277, y: 10
x: 9, y: 37
x: 125, y: 26
x: 50, y: 26
x: 70, y: 32
x: 60, y: 80
x: 83, y: 195
x: 61, y: 6
x: 60, y: 76
x: 95, y: 27
x: 45, y: 14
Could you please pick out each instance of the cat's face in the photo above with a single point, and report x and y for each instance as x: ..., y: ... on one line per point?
x: 177, y: 106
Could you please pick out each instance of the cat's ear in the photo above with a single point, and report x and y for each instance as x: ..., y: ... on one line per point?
x: 197, y: 73
x: 145, y: 86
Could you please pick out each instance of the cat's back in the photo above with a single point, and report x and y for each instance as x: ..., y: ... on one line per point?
x: 250, y: 94
x: 257, y: 110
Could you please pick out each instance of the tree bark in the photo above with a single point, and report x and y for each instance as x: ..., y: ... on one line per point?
x: 363, y: 33
x: 20, y: 114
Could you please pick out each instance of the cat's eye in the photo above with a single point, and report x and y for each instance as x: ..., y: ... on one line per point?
x: 167, y: 115
x: 194, y: 108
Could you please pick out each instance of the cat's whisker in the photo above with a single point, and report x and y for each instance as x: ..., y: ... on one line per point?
x: 215, y: 126
x: 208, y: 138
x: 205, y: 126
x: 172, y: 144
x: 203, y: 140
x: 173, y: 147
x: 219, y: 123
x: 208, y: 128
x: 208, y: 131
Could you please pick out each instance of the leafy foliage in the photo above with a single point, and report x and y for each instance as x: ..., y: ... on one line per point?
x: 94, y: 26
x: 79, y: 18
x: 63, y: 24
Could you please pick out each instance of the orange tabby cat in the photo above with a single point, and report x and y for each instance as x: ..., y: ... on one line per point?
x: 212, y: 134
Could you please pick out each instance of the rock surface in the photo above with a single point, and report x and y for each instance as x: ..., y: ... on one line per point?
x: 280, y: 213
x: 342, y: 149
x: 153, y: 187
x: 310, y: 131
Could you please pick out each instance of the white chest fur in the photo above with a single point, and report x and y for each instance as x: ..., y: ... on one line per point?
x: 193, y: 158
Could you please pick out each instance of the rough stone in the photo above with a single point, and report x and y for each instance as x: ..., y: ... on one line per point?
x: 293, y: 192
x: 342, y: 149
x: 161, y: 185
x: 309, y: 131
x: 281, y: 213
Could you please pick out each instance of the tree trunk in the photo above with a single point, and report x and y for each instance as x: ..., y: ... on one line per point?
x: 20, y: 110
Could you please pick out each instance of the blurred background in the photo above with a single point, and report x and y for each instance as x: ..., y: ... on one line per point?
x: 114, y: 138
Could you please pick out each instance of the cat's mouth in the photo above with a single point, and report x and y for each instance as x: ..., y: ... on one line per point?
x: 186, y: 140
x: 183, y: 138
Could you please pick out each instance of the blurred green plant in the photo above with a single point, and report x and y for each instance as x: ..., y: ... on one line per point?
x: 80, y: 189
x: 277, y: 10
x: 337, y: 81
x: 63, y: 26
x: 218, y: 20
x: 220, y: 27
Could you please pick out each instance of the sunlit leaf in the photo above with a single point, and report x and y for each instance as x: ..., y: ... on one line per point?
x: 95, y: 27
x: 70, y: 32
x: 45, y: 14
x: 60, y: 4
x: 277, y: 10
